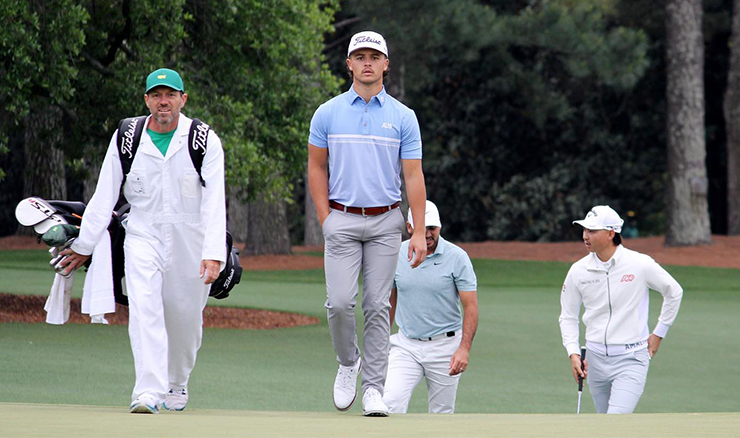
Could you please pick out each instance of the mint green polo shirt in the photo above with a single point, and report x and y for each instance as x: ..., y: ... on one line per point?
x: 428, y: 300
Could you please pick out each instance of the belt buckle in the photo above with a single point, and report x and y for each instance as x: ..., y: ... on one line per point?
x: 363, y: 211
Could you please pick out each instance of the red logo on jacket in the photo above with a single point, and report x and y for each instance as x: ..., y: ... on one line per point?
x: 627, y: 278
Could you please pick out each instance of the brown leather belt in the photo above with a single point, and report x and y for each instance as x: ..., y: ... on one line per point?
x: 365, y: 211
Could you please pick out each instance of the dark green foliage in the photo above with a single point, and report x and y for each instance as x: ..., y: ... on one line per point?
x: 39, y: 45
x: 531, y: 112
x: 253, y: 70
x: 534, y: 131
x: 258, y: 75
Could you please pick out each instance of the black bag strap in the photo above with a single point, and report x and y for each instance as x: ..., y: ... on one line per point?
x: 198, y: 144
x: 129, y: 136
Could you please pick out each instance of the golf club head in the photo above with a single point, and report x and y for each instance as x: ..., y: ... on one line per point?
x: 32, y: 211
x: 57, y: 258
x: 58, y: 267
x: 45, y: 225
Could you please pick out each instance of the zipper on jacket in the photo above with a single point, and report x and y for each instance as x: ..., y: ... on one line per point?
x: 609, y: 298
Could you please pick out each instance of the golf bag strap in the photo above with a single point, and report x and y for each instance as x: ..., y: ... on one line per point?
x: 197, y: 145
x: 129, y: 136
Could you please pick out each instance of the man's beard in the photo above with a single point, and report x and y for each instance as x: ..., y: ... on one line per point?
x: 163, y: 120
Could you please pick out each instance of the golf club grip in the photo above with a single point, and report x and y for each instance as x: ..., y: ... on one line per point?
x: 580, y: 379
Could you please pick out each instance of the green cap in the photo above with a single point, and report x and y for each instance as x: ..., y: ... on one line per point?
x: 166, y: 77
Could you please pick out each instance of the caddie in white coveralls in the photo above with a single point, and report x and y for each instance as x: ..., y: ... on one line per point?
x: 175, y: 242
x: 613, y: 283
x: 434, y: 337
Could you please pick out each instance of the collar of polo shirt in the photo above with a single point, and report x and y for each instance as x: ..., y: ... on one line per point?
x: 440, y: 249
x: 380, y: 97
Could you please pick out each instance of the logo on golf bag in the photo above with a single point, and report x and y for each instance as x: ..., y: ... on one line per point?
x: 128, y: 138
x: 232, y: 273
x: 200, y: 138
x: 227, y: 282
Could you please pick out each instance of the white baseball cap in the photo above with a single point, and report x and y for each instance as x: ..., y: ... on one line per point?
x: 431, y: 216
x: 602, y: 217
x: 367, y: 40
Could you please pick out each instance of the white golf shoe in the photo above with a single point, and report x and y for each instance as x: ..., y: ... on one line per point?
x: 175, y: 400
x: 144, y: 404
x: 345, y: 385
x: 373, y: 405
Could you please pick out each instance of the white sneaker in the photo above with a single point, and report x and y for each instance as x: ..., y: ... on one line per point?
x: 372, y: 404
x: 144, y: 404
x: 175, y: 400
x: 345, y: 385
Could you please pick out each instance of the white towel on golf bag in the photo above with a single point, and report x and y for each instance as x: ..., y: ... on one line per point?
x: 57, y: 305
x: 97, y: 293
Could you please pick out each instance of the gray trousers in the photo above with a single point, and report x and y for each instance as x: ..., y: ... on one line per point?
x: 370, y: 243
x: 616, y: 382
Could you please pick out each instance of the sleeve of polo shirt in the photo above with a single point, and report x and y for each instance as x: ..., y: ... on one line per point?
x: 410, y: 138
x: 464, y: 275
x: 318, y: 134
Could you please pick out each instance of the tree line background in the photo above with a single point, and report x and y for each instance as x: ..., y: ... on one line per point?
x: 531, y: 111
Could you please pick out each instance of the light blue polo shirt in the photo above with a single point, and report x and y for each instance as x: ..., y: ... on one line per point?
x: 366, y: 142
x: 428, y: 303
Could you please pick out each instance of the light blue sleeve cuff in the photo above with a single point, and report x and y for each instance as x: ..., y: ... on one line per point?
x: 411, y: 151
x: 317, y: 141
x: 661, y: 329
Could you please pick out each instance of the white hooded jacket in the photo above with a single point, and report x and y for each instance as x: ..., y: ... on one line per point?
x: 616, y: 301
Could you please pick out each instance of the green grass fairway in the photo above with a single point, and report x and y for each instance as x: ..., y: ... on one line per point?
x: 518, y: 364
x: 52, y: 421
